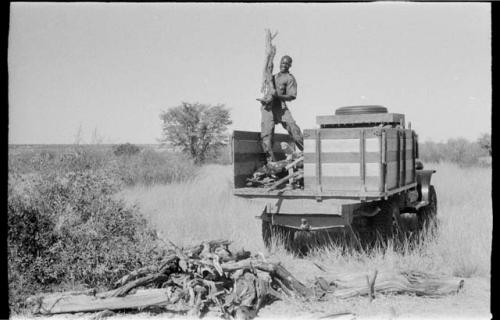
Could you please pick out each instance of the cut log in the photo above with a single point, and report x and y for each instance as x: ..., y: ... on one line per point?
x: 295, y: 175
x: 417, y: 283
x: 294, y: 163
x: 171, y: 265
x: 144, y: 281
x: 274, y: 269
x: 103, y: 314
x: 290, y: 281
x: 135, y: 274
x: 85, y: 303
x: 339, y: 316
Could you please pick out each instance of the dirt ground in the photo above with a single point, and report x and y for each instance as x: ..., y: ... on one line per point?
x: 472, y: 302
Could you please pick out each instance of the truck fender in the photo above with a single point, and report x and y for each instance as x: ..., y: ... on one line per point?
x: 423, y: 184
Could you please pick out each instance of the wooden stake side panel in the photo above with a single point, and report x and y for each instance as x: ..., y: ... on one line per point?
x: 248, y: 155
x: 400, y: 158
x: 347, y: 161
x: 350, y: 165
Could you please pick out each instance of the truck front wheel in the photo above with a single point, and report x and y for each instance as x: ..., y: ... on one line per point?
x: 427, y: 216
x: 387, y: 222
x: 294, y: 241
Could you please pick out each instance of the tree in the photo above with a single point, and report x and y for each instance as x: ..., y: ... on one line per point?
x: 197, y: 129
x: 461, y: 151
x: 485, y: 142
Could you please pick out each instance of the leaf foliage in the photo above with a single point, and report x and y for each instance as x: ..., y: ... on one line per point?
x: 196, y: 129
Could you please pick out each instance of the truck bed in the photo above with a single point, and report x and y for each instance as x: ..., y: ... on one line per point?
x: 253, y: 192
x: 345, y: 163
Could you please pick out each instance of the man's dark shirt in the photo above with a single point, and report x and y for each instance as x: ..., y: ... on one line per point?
x: 285, y: 85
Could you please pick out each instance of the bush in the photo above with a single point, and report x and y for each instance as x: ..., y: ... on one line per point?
x: 484, y: 142
x: 126, y: 149
x: 457, y: 150
x: 221, y: 155
x: 146, y: 167
x: 67, y: 159
x: 68, y: 229
x: 152, y: 167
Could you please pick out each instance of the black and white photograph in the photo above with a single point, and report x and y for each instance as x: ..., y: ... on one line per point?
x: 171, y: 160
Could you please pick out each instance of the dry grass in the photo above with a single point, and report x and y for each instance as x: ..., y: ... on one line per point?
x: 204, y: 208
x: 466, y: 216
x: 189, y: 212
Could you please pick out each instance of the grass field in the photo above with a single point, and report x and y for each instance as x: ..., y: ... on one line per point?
x: 188, y: 205
x: 189, y: 212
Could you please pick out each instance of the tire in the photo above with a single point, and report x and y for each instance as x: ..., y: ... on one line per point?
x: 387, y: 222
x: 427, y: 216
x: 360, y: 110
x: 273, y: 234
x: 266, y: 233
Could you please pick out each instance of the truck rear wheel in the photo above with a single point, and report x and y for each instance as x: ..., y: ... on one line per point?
x: 387, y: 222
x: 266, y: 233
x: 427, y: 216
x: 274, y: 234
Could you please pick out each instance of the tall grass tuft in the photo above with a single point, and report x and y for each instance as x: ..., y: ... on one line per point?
x: 203, y: 208
x: 151, y: 167
x: 465, y: 216
x: 146, y: 167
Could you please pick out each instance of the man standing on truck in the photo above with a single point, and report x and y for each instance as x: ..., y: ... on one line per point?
x: 285, y: 89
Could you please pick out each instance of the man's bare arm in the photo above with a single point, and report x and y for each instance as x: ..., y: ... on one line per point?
x: 284, y: 97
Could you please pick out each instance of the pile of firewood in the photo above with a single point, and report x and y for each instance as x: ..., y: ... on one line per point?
x: 194, y: 281
x: 287, y: 173
x: 210, y: 280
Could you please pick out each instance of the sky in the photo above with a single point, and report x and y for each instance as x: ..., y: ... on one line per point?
x: 104, y: 72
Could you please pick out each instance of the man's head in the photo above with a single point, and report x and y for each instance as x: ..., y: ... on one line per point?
x: 285, y: 63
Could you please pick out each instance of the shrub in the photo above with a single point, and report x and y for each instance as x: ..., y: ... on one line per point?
x: 152, y: 167
x: 484, y: 142
x: 68, y: 159
x: 126, y: 149
x: 457, y: 150
x: 146, y: 167
x: 68, y: 228
x: 221, y: 155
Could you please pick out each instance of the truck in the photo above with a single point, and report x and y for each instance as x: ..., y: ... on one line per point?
x: 361, y: 176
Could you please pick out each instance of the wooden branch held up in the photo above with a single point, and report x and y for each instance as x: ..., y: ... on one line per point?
x: 268, y: 62
x: 267, y: 87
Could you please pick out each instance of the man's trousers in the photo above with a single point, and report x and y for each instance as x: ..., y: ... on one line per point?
x: 272, y: 115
